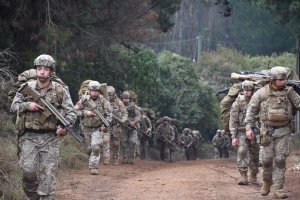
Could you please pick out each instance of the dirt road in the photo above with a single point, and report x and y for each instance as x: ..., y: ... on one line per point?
x: 201, y: 179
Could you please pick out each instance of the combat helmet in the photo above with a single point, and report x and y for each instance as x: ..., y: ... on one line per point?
x: 186, y: 130
x: 45, y: 60
x: 94, y: 86
x: 111, y: 90
x: 247, y: 85
x: 278, y: 72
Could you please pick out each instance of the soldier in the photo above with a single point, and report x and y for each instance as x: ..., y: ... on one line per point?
x: 145, y: 133
x: 226, y: 144
x: 165, y: 136
x: 196, y: 141
x: 95, y: 133
x: 274, y: 104
x: 237, y: 130
x: 41, y: 140
x: 120, y: 111
x: 129, y: 138
x: 186, y: 141
x: 218, y: 142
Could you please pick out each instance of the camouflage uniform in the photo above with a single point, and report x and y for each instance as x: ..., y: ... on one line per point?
x: 165, y: 135
x: 186, y: 141
x: 274, y: 107
x: 237, y: 130
x: 94, y: 137
x: 145, y: 134
x: 40, y: 143
x: 218, y: 142
x: 120, y: 111
x: 226, y: 145
x: 196, y: 141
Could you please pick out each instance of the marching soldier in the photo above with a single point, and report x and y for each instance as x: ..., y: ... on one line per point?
x: 41, y: 139
x: 96, y: 134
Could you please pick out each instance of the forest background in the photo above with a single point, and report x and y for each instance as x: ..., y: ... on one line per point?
x: 174, y: 53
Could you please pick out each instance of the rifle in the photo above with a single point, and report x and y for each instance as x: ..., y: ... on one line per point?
x: 129, y: 127
x: 168, y: 140
x: 93, y: 107
x: 48, y: 110
x: 220, y: 91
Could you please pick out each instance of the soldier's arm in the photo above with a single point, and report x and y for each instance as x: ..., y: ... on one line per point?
x: 252, y: 110
x: 294, y: 98
x: 18, y: 104
x: 107, y: 109
x: 124, y: 112
x: 149, y: 125
x: 68, y: 106
x: 234, y: 119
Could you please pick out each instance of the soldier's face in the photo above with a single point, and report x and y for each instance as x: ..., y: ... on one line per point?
x: 279, y: 83
x: 43, y: 73
x: 247, y: 93
x: 94, y: 93
x: 125, y: 100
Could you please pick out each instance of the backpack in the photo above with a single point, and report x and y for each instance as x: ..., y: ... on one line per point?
x: 84, y: 88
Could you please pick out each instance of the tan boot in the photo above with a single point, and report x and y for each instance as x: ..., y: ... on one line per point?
x: 94, y: 171
x: 243, y: 180
x: 280, y: 194
x: 265, y: 189
x: 253, y: 179
x: 106, y: 161
x: 115, y: 162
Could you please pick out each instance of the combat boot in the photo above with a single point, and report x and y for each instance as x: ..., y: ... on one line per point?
x: 125, y: 161
x: 280, y: 194
x: 243, y: 180
x: 94, y: 171
x: 106, y: 161
x: 265, y: 188
x: 253, y: 179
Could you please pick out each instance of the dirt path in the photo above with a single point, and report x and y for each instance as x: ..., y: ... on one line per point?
x: 202, y: 179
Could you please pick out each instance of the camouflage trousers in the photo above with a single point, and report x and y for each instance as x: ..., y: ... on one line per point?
x: 218, y: 151
x: 93, y: 140
x: 129, y: 140
x: 39, y: 162
x: 274, y: 160
x: 248, y: 155
x: 116, y: 141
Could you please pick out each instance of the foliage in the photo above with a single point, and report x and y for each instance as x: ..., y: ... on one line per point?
x: 215, y: 67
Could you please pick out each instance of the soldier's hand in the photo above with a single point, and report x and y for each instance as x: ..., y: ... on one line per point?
x: 35, y: 107
x: 90, y: 113
x: 61, y: 131
x: 234, y: 142
x: 103, y: 128
x: 250, y: 134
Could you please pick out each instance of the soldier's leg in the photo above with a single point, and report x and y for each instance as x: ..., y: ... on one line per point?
x: 281, y: 147
x: 243, y: 159
x: 254, y: 162
x: 96, y: 142
x: 29, y: 164
x: 161, y: 149
x: 267, y: 164
x: 143, y: 147
x: 138, y: 144
x: 124, y: 137
x: 133, y: 140
x: 116, y: 144
x: 106, y: 147
x: 49, y: 156
x: 216, y: 152
x: 87, y: 141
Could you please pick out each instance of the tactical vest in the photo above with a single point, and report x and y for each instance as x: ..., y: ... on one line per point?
x: 32, y: 119
x: 131, y: 112
x: 276, y: 109
x: 93, y: 121
x: 116, y: 109
x: 164, y: 130
x: 242, y: 101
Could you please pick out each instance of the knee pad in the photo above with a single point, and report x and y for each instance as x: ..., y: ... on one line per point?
x: 29, y: 177
x: 242, y: 151
x: 96, y: 149
x: 106, y: 139
x: 280, y: 161
x: 267, y: 162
